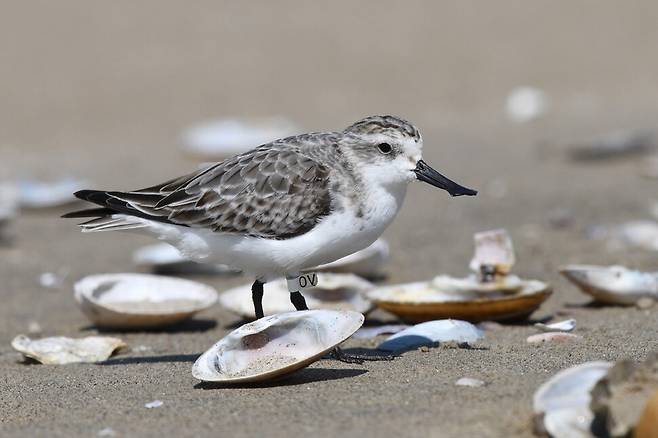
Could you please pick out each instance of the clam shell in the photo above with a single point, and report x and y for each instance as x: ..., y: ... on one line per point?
x: 493, y: 248
x: 166, y: 259
x: 275, y: 345
x: 417, y: 302
x: 562, y: 403
x: 334, y: 291
x: 61, y: 350
x: 472, y: 287
x: 140, y: 300
x: 368, y: 262
x: 428, y: 333
x: 613, y: 284
x: 227, y: 137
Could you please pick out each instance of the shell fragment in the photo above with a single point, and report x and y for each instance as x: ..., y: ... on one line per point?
x: 61, y: 350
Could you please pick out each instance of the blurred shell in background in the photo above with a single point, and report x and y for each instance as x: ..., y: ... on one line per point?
x: 140, y: 300
x: 334, y: 291
x: 421, y: 301
x: 613, y: 284
x: 275, y: 345
x: 227, y: 137
x: 163, y: 258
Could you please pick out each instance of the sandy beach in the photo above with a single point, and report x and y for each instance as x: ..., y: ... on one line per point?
x: 102, y: 91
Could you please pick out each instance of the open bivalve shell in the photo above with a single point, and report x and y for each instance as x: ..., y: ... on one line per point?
x: 275, y: 345
x: 61, y: 350
x: 140, y: 300
x: 562, y: 404
x: 613, y: 284
x: 367, y: 263
x: 334, y: 291
x: 422, y: 301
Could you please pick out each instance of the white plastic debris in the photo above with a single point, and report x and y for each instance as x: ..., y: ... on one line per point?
x: 227, y: 137
x: 467, y: 381
x: 563, y: 326
x: 45, y: 194
x: 428, y: 333
x: 154, y: 404
x: 61, y: 350
x: 526, y: 103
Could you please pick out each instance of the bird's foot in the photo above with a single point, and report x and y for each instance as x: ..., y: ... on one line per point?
x: 338, y: 354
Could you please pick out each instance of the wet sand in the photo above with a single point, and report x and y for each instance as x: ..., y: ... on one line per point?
x: 103, y: 91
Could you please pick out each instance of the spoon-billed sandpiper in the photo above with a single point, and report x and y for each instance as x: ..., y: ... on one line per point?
x: 282, y: 207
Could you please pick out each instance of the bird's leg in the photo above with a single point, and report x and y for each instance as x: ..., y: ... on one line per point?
x: 297, y: 300
x: 257, y: 297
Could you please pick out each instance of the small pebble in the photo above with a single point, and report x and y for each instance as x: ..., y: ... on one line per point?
x: 424, y: 349
x: 153, y: 404
x: 106, y: 432
x: 645, y: 303
x: 467, y: 381
x: 51, y: 280
x: 552, y: 337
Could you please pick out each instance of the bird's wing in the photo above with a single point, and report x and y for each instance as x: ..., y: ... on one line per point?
x: 272, y: 191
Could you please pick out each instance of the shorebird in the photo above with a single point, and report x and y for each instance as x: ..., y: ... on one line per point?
x: 282, y: 207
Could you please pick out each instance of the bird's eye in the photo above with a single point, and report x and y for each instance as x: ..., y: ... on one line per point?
x: 384, y: 148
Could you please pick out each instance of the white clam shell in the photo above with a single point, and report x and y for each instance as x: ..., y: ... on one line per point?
x: 61, y: 350
x: 140, y: 300
x: 226, y: 137
x: 427, y: 333
x: 334, y: 291
x: 613, y: 284
x: 493, y: 248
x: 471, y: 287
x: 565, y: 398
x: 368, y: 262
x: 165, y: 258
x: 275, y: 345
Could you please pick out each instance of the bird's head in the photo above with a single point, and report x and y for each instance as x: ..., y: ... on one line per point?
x: 390, y: 149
